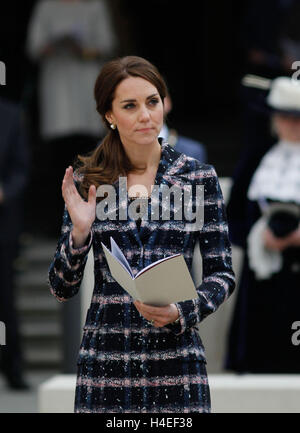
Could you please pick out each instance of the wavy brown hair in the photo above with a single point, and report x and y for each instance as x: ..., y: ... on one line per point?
x: 109, y: 161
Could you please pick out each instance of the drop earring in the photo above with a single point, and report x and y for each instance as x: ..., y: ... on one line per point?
x: 113, y: 126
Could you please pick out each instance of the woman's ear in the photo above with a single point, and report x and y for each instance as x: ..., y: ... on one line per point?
x: 109, y: 117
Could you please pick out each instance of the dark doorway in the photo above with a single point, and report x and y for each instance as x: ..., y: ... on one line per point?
x: 196, y: 45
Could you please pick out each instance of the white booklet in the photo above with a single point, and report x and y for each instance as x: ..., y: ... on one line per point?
x: 163, y: 282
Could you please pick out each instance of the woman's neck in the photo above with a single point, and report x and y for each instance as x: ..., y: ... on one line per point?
x: 144, y: 156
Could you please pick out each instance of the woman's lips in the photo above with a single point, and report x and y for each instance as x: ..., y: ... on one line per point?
x: 145, y: 129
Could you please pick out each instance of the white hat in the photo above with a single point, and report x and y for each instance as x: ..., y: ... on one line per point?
x: 284, y: 95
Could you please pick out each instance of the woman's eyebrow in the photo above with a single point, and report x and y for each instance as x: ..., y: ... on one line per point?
x: 133, y: 100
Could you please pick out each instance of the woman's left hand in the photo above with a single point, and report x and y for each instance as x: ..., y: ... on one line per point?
x: 159, y: 316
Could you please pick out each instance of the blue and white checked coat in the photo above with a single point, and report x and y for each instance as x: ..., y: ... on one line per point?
x: 125, y: 364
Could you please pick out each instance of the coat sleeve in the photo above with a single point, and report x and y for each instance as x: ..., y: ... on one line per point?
x: 67, y: 268
x: 218, y: 277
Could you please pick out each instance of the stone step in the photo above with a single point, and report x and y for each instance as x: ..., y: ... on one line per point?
x: 39, y: 252
x: 34, y: 280
x: 35, y: 253
x: 37, y: 248
x: 39, y: 312
x: 43, y: 357
x: 38, y: 303
x: 47, y: 330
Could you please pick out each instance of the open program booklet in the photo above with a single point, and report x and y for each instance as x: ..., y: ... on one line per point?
x: 164, y: 282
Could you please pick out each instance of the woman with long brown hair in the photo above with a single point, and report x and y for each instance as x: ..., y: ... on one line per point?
x: 136, y: 357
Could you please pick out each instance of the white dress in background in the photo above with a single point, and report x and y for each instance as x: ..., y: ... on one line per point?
x: 66, y: 82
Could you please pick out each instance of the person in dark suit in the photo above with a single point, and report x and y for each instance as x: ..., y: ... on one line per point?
x: 14, y: 170
x: 186, y: 145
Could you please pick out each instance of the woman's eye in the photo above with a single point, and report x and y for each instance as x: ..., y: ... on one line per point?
x: 154, y: 101
x: 127, y: 106
x: 130, y: 105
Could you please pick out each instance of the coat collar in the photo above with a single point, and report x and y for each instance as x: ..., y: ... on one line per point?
x: 172, y: 169
x: 167, y: 159
x: 171, y: 163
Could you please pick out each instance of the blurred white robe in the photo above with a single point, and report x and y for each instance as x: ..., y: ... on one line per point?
x: 66, y: 82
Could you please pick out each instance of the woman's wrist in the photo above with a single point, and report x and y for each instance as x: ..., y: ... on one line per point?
x: 177, y: 318
x: 79, y: 237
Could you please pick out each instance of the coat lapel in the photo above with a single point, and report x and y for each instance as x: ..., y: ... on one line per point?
x: 170, y: 163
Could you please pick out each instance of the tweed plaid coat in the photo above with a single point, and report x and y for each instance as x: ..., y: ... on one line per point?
x: 125, y: 364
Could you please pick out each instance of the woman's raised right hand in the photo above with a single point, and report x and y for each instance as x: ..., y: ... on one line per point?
x: 82, y: 213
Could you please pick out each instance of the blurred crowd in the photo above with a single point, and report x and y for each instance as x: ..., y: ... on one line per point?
x: 67, y: 42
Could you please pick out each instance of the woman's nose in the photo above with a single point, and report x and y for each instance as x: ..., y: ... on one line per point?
x: 144, y: 114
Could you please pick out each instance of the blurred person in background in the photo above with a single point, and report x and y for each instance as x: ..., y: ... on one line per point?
x: 290, y: 37
x: 182, y: 144
x: 14, y: 172
x: 70, y: 40
x: 263, y: 214
x: 261, y: 34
